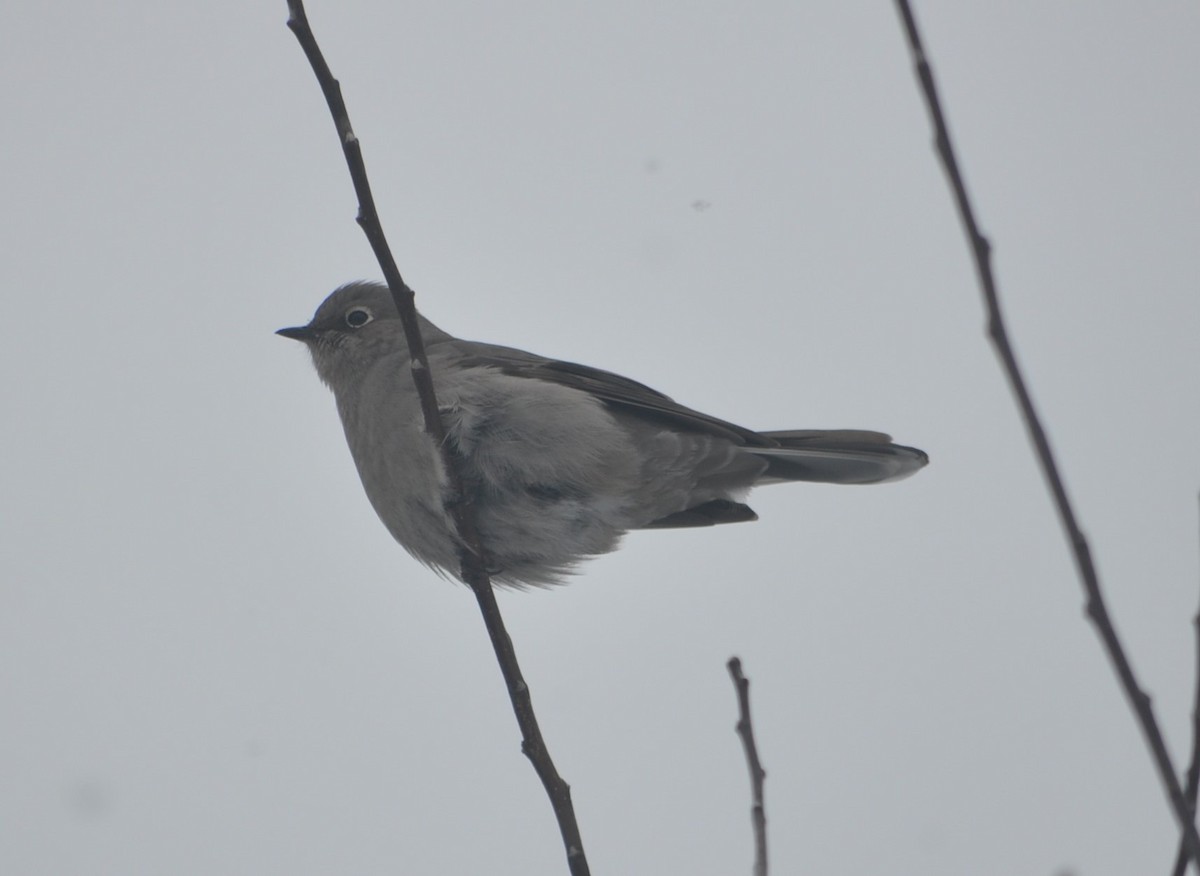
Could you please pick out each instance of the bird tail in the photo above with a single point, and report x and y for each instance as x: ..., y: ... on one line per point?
x: 836, y: 456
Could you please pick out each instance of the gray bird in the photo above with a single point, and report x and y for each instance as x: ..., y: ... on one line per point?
x: 560, y: 459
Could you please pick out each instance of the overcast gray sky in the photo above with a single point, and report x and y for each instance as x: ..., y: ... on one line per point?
x: 213, y: 658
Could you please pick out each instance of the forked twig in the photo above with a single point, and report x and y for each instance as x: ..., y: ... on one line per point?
x: 471, y: 555
x: 1192, y: 776
x: 745, y: 729
x: 1096, y: 609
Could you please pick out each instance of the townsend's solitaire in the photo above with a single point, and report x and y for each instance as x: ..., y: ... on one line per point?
x: 560, y: 459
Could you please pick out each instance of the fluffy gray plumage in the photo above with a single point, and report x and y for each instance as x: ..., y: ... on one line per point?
x: 561, y: 459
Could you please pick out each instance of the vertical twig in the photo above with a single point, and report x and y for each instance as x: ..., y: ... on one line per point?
x: 1139, y: 701
x: 745, y: 729
x: 1192, y: 776
x: 471, y: 554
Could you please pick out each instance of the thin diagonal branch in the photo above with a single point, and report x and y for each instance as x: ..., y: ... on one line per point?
x: 1097, y: 610
x: 1192, y: 776
x: 471, y: 554
x: 745, y: 729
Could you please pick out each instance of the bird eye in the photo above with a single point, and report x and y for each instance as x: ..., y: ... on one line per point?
x: 357, y: 317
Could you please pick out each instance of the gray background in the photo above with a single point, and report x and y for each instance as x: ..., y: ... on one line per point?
x: 213, y: 659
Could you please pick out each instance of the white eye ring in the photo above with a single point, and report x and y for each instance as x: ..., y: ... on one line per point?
x: 357, y: 317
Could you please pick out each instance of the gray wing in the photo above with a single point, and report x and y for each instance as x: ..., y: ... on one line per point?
x: 613, y: 389
x: 840, y: 456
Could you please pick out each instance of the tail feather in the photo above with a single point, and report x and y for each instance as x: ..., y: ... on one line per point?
x: 706, y: 514
x: 837, y: 456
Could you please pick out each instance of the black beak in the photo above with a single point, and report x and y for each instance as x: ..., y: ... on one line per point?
x: 298, y: 333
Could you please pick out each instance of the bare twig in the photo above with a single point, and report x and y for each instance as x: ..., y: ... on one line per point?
x: 1192, y: 776
x: 471, y: 554
x: 745, y: 729
x: 1139, y: 701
